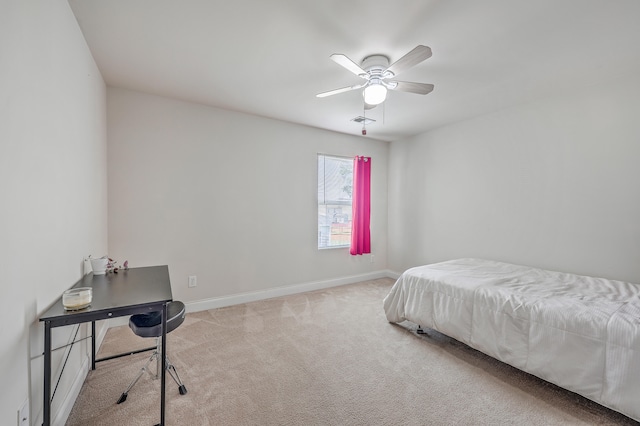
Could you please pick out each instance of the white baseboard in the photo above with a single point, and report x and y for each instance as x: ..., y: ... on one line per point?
x: 253, y: 296
x: 115, y: 322
x: 65, y: 408
x: 103, y: 332
x: 236, y: 299
x: 393, y: 274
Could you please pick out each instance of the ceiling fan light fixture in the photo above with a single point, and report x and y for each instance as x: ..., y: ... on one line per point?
x: 374, y: 94
x: 377, y: 72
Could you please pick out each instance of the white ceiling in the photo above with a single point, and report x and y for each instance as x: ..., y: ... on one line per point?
x: 270, y: 57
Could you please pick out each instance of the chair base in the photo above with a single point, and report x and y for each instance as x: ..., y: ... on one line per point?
x: 169, y: 367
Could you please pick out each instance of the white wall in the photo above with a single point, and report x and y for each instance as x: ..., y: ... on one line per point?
x: 552, y: 184
x: 52, y: 187
x: 226, y: 196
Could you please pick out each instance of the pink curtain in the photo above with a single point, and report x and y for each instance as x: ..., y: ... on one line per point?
x: 360, y: 233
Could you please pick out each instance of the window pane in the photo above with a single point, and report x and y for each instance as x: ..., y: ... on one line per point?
x: 335, y: 183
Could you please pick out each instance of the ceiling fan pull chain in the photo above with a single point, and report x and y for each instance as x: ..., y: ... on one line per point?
x: 364, y: 122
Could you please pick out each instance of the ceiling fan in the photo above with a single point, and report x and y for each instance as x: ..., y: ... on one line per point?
x: 378, y: 73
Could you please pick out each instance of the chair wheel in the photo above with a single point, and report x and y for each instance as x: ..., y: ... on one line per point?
x: 122, y: 398
x: 183, y: 390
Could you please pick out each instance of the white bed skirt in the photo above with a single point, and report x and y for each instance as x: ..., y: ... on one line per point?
x: 578, y: 332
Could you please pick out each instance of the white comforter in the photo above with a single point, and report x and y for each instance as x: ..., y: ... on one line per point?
x: 578, y: 332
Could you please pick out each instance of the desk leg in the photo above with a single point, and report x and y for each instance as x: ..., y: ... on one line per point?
x: 93, y: 345
x: 164, y: 363
x: 46, y: 406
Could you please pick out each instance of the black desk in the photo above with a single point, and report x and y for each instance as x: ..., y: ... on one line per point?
x: 134, y: 291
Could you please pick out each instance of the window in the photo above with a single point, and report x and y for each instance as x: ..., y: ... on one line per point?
x: 335, y: 185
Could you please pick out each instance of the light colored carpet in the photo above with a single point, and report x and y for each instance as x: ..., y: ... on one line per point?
x: 327, y: 357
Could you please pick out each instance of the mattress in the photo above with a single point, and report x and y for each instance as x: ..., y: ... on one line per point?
x: 580, y: 333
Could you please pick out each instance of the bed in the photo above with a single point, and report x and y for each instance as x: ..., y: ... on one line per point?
x: 580, y: 333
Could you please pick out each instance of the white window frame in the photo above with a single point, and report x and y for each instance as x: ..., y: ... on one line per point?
x: 326, y: 230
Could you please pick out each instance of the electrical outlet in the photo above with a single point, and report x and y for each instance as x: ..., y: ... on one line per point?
x: 371, y: 259
x: 193, y: 281
x: 23, y: 414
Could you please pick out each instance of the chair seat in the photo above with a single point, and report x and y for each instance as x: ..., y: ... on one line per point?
x: 149, y: 325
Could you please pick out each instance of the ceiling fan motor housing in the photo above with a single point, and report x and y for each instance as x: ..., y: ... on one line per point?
x: 375, y: 64
x: 376, y: 68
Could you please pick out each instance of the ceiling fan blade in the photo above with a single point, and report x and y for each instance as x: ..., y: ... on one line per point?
x: 341, y: 90
x: 406, y: 86
x: 344, y: 61
x: 417, y: 55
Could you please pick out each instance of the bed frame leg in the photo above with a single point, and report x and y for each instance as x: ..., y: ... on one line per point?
x: 419, y: 330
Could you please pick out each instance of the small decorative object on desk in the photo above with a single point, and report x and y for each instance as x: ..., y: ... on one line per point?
x: 112, y: 266
x: 104, y: 265
x: 77, y: 298
x: 99, y: 266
